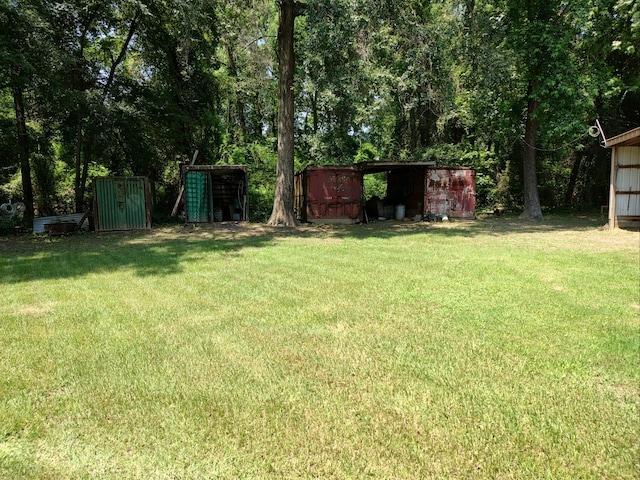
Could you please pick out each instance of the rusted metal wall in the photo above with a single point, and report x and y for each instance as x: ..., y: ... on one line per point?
x: 335, y: 194
x: 329, y: 194
x: 451, y: 192
x: 122, y: 203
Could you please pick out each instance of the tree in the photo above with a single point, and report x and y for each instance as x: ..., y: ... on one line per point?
x: 22, y: 47
x: 282, y: 213
x: 542, y: 35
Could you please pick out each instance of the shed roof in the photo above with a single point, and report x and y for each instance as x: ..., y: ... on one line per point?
x: 220, y: 169
x: 628, y: 139
x: 373, y: 166
x: 377, y: 166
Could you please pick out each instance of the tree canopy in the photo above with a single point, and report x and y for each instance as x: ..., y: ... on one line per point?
x: 134, y: 87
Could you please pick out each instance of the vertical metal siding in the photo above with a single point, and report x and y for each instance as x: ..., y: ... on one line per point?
x: 334, y: 194
x: 122, y: 203
x: 628, y: 182
x: 450, y: 191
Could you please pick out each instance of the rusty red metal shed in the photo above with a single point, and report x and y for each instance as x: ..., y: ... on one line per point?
x: 329, y: 194
x: 335, y: 194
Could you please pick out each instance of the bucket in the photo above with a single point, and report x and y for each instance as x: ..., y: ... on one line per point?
x: 217, y: 215
x: 399, y: 212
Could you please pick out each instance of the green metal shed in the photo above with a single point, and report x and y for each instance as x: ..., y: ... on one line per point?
x: 122, y: 203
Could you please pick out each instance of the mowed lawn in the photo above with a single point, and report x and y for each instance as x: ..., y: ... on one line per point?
x: 484, y: 349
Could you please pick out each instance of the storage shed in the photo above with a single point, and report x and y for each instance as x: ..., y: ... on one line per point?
x: 405, y: 187
x: 335, y: 194
x: 122, y: 203
x: 624, y: 188
x: 215, y: 193
x: 329, y: 194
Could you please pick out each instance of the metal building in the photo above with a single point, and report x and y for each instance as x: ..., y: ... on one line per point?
x: 335, y: 194
x: 122, y: 203
x: 624, y: 188
x: 451, y: 192
x: 328, y: 194
x: 215, y: 193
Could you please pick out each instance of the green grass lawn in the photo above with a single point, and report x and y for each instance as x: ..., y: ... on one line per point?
x: 485, y: 349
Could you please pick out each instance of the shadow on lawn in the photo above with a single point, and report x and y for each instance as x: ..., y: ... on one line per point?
x: 487, y: 225
x: 163, y: 251
x: 147, y: 253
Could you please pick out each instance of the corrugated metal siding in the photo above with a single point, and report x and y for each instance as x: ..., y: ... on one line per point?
x: 334, y: 194
x: 299, y: 205
x: 628, y: 181
x: 122, y: 203
x: 40, y: 222
x: 450, y: 191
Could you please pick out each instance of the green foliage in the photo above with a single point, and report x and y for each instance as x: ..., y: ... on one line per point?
x: 366, y: 153
x: 261, y: 171
x: 413, y: 81
x: 375, y: 185
x: 12, y: 189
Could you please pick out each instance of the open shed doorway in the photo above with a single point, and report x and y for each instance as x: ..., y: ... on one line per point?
x: 374, y: 192
x: 215, y: 193
x: 402, y: 193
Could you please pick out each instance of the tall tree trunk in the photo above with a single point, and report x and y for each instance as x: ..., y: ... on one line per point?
x: 88, y: 153
x: 123, y: 52
x: 282, y: 213
x: 79, y: 195
x: 23, y: 142
x: 239, y: 104
x: 314, y: 110
x: 573, y: 179
x: 532, y: 210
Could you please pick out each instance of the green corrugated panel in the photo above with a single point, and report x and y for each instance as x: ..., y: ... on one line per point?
x: 196, y: 196
x: 121, y: 203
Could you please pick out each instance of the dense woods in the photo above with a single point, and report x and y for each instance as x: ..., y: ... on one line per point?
x: 134, y: 87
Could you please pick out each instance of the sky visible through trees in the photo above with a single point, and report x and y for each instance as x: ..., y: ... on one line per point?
x: 134, y: 87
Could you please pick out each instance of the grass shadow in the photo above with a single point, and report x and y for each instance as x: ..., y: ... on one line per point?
x: 163, y: 251
x: 146, y: 253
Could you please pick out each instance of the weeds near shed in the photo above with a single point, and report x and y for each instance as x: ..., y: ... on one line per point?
x: 488, y: 349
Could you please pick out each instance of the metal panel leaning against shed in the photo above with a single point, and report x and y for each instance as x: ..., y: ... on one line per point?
x: 40, y: 223
x: 122, y: 203
x: 215, y: 193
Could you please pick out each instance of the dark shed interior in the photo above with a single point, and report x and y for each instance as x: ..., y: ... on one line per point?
x: 405, y: 186
x: 215, y: 193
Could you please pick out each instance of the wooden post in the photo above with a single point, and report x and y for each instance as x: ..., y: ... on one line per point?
x: 612, y: 188
x: 181, y: 192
